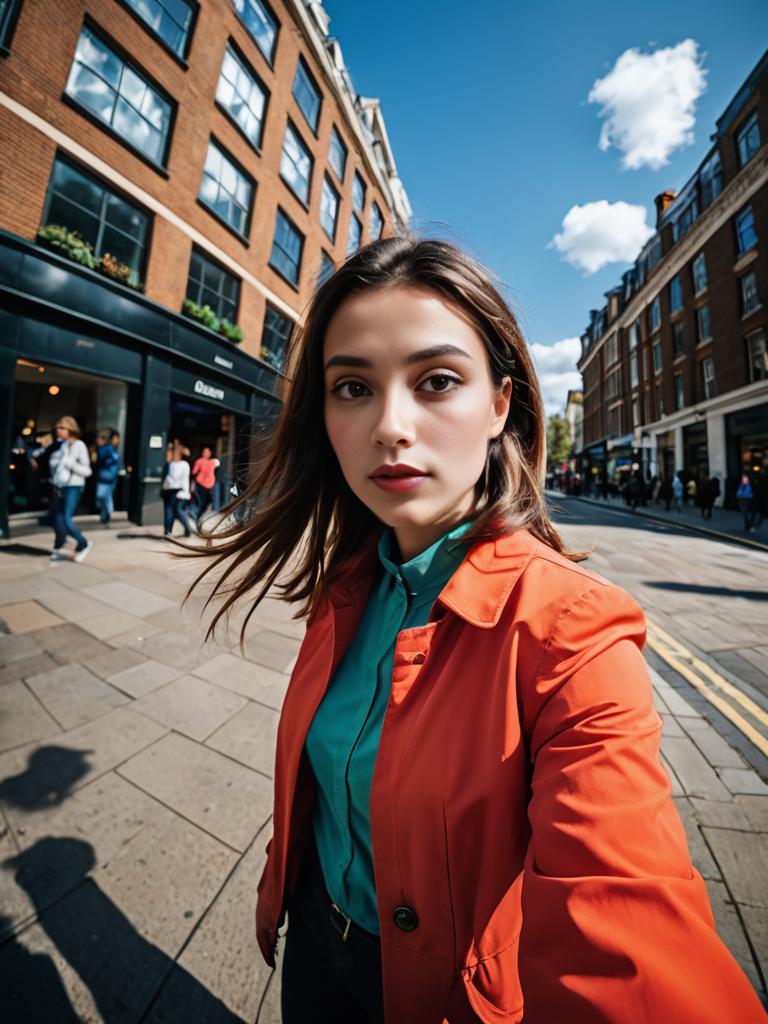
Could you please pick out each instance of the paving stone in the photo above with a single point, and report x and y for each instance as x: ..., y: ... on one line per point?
x: 222, y: 955
x: 721, y: 814
x: 756, y: 926
x: 191, y: 706
x: 31, y: 587
x: 271, y: 650
x: 743, y: 780
x: 27, y: 616
x: 731, y: 930
x: 715, y: 749
x: 109, y: 623
x: 670, y: 726
x: 700, y: 856
x: 175, y: 649
x: 155, y: 582
x: 135, y: 638
x: 756, y: 809
x: 126, y: 598
x: 18, y: 670
x: 118, y: 660
x: 224, y: 798
x: 73, y: 695
x: 249, y: 737
x: 77, y: 576
x: 677, y: 789
x: 70, y: 643
x: 72, y: 605
x: 17, y: 647
x: 659, y: 704
x: 256, y: 682
x: 743, y: 861
x: 697, y: 777
x: 145, y: 677
x: 22, y: 718
x: 16, y: 905
x: 270, y: 1011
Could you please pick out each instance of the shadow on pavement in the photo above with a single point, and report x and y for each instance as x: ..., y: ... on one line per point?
x: 28, y: 550
x: 48, y: 779
x: 696, y: 588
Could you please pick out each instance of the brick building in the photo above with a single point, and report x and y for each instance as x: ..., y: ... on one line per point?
x: 674, y: 366
x: 216, y: 158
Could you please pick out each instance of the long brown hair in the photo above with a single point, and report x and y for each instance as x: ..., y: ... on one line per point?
x: 298, y: 512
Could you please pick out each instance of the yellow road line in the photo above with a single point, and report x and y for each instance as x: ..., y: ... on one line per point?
x: 707, y: 681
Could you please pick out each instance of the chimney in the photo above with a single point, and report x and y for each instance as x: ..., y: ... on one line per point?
x: 663, y: 201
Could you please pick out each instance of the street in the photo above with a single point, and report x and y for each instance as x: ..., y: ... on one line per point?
x: 135, y: 764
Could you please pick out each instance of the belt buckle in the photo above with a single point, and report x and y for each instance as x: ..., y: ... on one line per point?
x: 347, y: 921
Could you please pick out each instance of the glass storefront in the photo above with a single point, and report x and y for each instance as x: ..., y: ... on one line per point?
x: 696, y: 450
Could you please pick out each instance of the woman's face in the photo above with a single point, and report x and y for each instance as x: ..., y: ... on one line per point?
x: 407, y: 382
x: 62, y: 432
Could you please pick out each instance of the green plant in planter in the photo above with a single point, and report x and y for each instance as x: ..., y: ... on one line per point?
x: 273, y: 358
x: 231, y: 331
x: 204, y: 314
x: 115, y: 269
x: 69, y: 243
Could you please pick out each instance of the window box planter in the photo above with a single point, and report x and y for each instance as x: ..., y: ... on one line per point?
x: 206, y: 316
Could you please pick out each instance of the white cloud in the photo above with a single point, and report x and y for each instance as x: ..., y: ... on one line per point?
x: 556, y: 370
x: 649, y: 101
x: 599, y: 233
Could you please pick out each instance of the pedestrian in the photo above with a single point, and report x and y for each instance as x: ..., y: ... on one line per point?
x: 666, y: 493
x: 70, y: 466
x: 691, y: 490
x: 107, y: 472
x: 760, y: 499
x: 713, y: 493
x: 204, y: 476
x: 745, y: 499
x: 677, y: 492
x: 175, y: 489
x: 516, y: 848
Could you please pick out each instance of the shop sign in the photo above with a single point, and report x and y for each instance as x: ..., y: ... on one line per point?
x: 221, y: 361
x: 208, y: 391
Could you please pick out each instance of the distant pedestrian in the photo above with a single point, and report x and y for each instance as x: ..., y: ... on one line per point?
x: 691, y: 489
x: 745, y: 497
x: 204, y: 476
x: 175, y: 490
x: 666, y: 493
x: 710, y: 493
x: 70, y: 466
x: 604, y: 487
x: 677, y: 491
x: 107, y: 472
x: 760, y: 500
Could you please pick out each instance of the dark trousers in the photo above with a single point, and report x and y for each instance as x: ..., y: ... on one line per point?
x: 202, y: 498
x: 174, y: 508
x: 64, y: 502
x: 324, y: 977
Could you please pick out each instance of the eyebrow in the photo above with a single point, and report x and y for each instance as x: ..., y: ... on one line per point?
x: 414, y: 357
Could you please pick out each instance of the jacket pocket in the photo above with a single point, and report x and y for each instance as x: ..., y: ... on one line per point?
x: 492, y: 985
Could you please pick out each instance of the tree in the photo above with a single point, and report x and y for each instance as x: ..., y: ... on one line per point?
x: 558, y: 441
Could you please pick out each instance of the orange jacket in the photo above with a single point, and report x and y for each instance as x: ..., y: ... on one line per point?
x: 518, y: 807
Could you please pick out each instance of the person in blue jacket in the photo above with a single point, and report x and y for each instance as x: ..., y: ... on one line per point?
x: 107, y: 472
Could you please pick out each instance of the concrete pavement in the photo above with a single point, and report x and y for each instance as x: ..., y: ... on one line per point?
x: 135, y: 783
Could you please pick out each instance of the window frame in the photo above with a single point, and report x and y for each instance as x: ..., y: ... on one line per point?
x: 301, y: 63
x: 659, y: 398
x: 270, y: 308
x: 739, y: 251
x: 290, y: 124
x: 353, y: 218
x: 676, y: 291
x: 268, y: 57
x: 654, y: 321
x: 709, y: 361
x: 375, y: 206
x: 656, y: 348
x: 325, y: 259
x: 760, y: 334
x: 357, y: 176
x: 294, y: 284
x: 242, y: 59
x: 207, y: 258
x: 327, y: 181
x: 679, y: 340
x: 679, y: 391
x: 751, y: 273
x: 180, y: 58
x: 335, y: 132
x: 743, y: 132
x: 8, y: 26
x: 702, y: 338
x: 138, y: 69
x: 699, y: 259
x: 244, y: 238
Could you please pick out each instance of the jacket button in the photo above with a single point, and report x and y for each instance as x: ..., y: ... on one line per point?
x: 419, y: 659
x: 405, y: 919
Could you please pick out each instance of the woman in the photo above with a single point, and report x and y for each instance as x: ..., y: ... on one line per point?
x: 745, y: 498
x: 204, y: 476
x: 175, y: 489
x: 70, y: 466
x: 470, y: 819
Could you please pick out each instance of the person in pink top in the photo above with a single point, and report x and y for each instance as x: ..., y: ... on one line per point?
x: 204, y: 475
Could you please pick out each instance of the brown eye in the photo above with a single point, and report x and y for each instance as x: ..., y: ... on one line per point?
x: 442, y: 383
x: 356, y: 389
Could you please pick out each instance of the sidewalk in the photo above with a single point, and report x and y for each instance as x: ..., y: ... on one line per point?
x: 135, y: 782
x: 724, y: 522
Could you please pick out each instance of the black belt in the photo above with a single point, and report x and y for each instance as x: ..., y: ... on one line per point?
x: 342, y: 923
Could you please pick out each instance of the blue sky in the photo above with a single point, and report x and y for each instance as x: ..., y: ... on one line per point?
x: 495, y: 140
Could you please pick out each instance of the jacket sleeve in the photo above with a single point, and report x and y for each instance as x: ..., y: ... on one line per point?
x: 617, y: 925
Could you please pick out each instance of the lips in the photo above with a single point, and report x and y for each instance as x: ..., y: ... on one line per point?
x: 398, y: 470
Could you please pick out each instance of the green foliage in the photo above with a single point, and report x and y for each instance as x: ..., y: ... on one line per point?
x: 206, y: 316
x: 274, y: 359
x: 70, y: 244
x: 558, y: 440
x: 115, y: 269
x: 231, y: 331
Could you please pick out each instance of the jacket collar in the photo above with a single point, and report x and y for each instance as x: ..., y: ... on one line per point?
x: 477, y: 591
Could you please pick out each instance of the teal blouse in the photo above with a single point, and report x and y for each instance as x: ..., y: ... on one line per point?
x: 343, y: 739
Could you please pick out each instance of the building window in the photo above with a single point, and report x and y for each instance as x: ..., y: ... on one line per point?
x: 170, y: 20
x: 119, y: 96
x: 675, y: 295
x: 748, y: 139
x: 274, y: 337
x: 750, y: 294
x: 655, y: 314
x: 708, y: 377
x: 81, y: 203
x: 287, y: 247
x: 659, y: 400
x: 647, y: 405
x: 679, y: 391
x: 327, y: 267
x: 678, y: 339
x: 704, y: 323
x: 337, y: 154
x: 634, y: 334
x: 296, y: 164
x: 358, y: 193
x: 329, y: 209
x: 683, y: 224
x: 657, y: 357
x: 377, y: 222
x: 654, y: 253
x: 226, y: 190
x: 612, y: 385
x: 611, y: 350
x: 355, y: 234
x: 746, y: 236
x: 633, y: 376
x: 211, y: 285
x: 635, y: 412
x: 699, y: 272
x: 242, y: 96
x: 757, y: 356
x: 711, y: 179
x: 307, y: 95
x: 261, y: 24
x: 9, y: 12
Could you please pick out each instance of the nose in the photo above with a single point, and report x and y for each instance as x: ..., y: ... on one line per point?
x: 394, y: 425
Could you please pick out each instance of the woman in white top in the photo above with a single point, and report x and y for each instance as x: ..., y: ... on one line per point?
x: 70, y: 466
x: 175, y: 490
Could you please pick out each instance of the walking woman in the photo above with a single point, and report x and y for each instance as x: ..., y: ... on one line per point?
x: 471, y: 821
x: 175, y: 489
x: 70, y: 466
